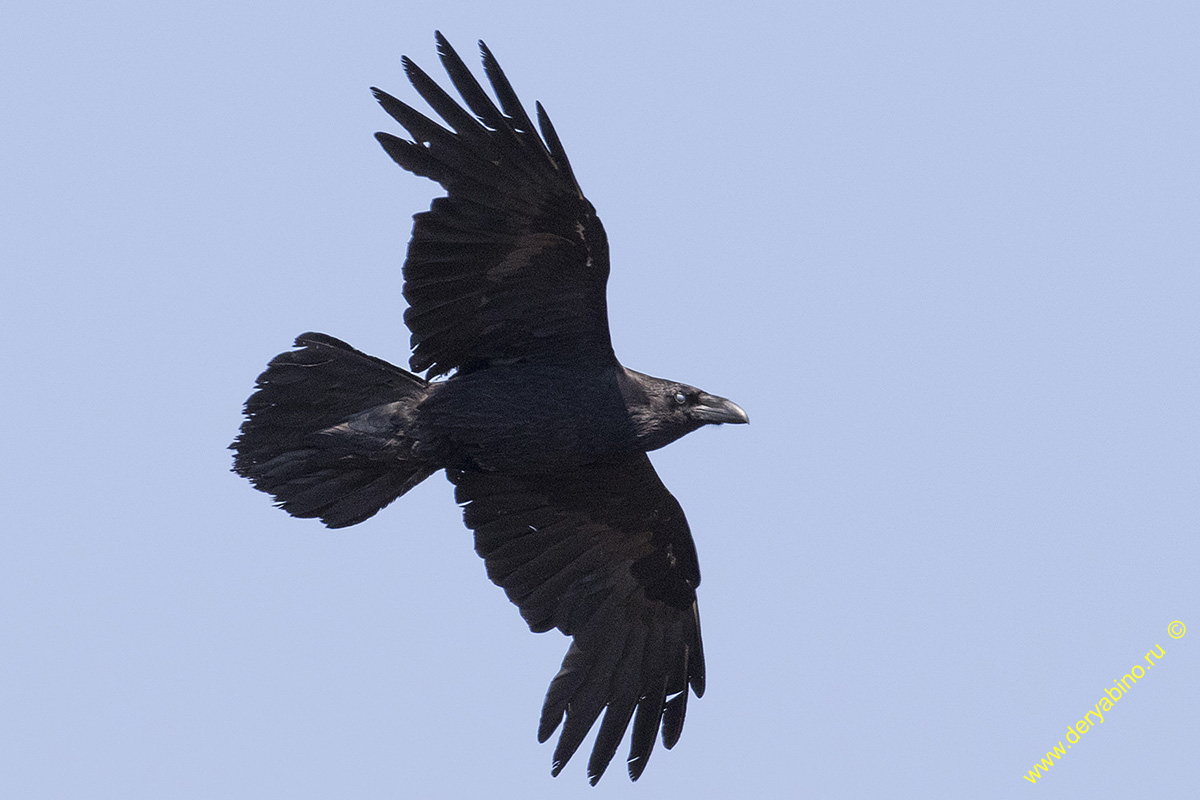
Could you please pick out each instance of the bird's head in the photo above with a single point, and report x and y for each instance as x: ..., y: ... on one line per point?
x: 663, y: 411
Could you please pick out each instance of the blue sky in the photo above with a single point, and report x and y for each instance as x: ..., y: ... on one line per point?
x: 945, y: 255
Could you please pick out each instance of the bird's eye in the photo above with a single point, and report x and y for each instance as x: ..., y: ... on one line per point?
x: 680, y: 398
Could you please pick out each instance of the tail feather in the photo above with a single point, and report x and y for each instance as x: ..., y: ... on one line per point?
x: 328, y: 432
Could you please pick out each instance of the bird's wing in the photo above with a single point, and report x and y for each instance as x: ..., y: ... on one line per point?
x: 604, y: 554
x: 513, y: 262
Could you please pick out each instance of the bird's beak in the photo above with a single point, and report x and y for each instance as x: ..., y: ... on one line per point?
x: 713, y: 410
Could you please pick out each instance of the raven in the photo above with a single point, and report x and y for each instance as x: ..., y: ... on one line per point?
x: 541, y: 430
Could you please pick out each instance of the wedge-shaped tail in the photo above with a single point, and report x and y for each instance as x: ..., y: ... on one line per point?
x: 328, y: 432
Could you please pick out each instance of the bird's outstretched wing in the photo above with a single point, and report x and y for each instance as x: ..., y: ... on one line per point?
x: 604, y: 554
x: 512, y: 263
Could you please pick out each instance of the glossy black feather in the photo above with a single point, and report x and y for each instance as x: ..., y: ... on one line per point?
x: 523, y: 275
x: 541, y: 430
x: 325, y: 432
x: 581, y: 534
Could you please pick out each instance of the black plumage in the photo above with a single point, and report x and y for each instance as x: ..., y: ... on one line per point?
x: 542, y: 431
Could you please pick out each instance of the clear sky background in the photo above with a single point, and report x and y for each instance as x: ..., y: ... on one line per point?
x: 946, y: 255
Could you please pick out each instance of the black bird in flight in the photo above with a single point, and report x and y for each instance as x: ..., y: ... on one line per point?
x: 541, y: 430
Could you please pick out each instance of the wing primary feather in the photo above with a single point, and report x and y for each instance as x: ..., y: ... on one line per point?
x: 569, y: 678
x: 472, y: 93
x: 623, y: 693
x: 419, y: 126
x: 674, y: 711
x: 576, y: 668
x: 556, y: 149
x: 415, y: 158
x: 509, y: 101
x: 483, y: 107
x: 696, y: 657
x: 444, y: 147
x: 650, y: 706
x: 463, y: 123
x: 589, y: 700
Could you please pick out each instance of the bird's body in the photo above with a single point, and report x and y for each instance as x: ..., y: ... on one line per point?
x: 542, y: 431
x: 530, y: 419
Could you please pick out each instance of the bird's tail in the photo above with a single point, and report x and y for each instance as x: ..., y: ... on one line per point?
x: 328, y: 432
